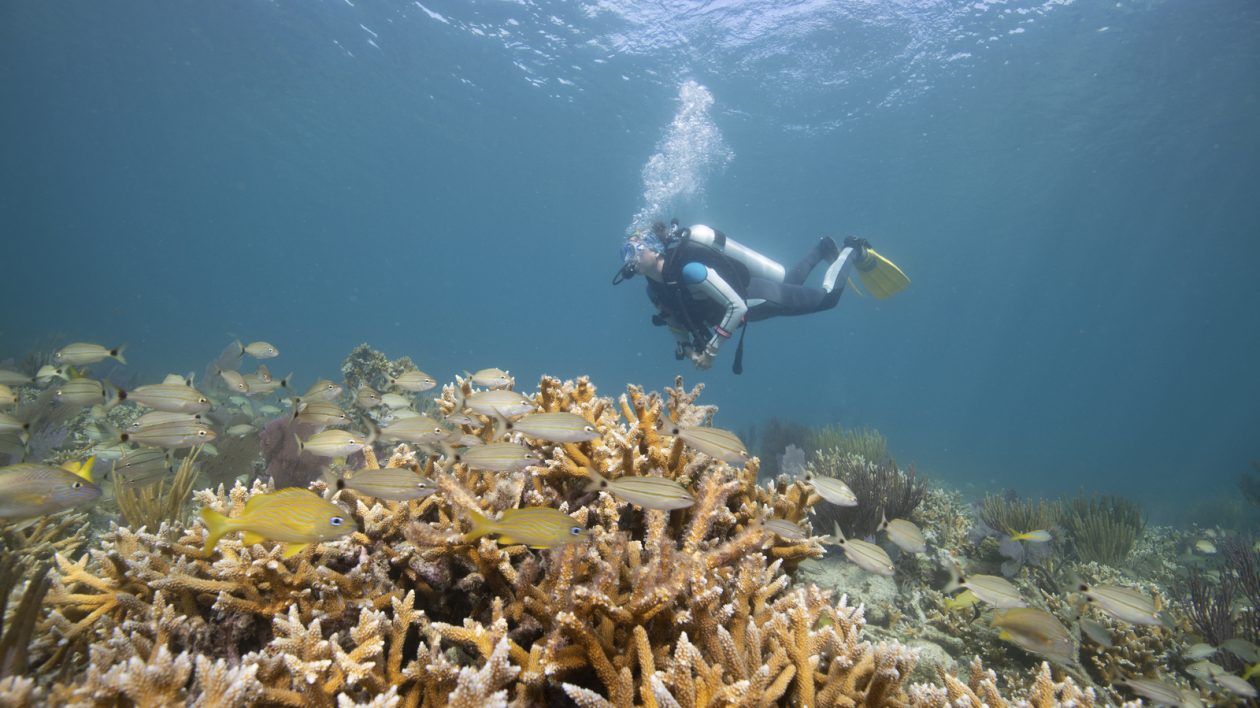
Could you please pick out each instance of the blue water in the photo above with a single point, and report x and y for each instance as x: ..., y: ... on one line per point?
x: 1071, y: 186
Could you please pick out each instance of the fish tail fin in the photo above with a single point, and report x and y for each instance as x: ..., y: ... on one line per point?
x: 956, y: 579
x: 117, y: 354
x: 480, y: 526
x: 597, y: 482
x: 216, y: 527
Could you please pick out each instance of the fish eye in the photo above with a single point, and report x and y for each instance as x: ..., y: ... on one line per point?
x: 576, y: 530
x: 336, y: 521
x: 201, y: 433
x: 203, y: 399
x: 589, y: 428
x: 76, y: 485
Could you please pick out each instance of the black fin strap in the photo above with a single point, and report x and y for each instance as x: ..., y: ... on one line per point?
x: 738, y: 368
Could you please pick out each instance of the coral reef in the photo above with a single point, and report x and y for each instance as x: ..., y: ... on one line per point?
x: 151, y: 504
x: 696, y: 606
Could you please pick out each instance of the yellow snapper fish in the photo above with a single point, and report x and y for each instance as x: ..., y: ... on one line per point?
x: 82, y: 354
x: 294, y: 517
x: 961, y: 601
x: 1036, y: 631
x: 1038, y: 536
x: 534, y: 526
x: 714, y: 442
x: 28, y: 490
x: 647, y: 491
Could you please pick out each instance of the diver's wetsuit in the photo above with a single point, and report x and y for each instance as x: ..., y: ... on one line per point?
x: 706, y: 295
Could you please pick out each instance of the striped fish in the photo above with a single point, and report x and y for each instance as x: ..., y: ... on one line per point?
x: 491, y: 378
x: 714, y: 442
x: 418, y: 429
x: 905, y: 534
x: 534, y: 526
x: 498, y: 457
x: 28, y: 490
x: 864, y: 555
x: 82, y: 354
x: 295, y: 517
x: 80, y: 392
x: 831, y: 489
x: 170, y: 434
x: 562, y: 427
x: 414, y: 381
x: 1125, y: 604
x: 393, y: 483
x: 1036, y: 631
x: 174, y: 397
x: 786, y: 529
x: 332, y: 443
x: 498, y: 402
x: 647, y: 491
x: 992, y: 589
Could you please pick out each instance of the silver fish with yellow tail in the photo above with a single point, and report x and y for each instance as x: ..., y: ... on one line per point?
x: 904, y: 534
x: 1036, y: 631
x: 647, y: 491
x: 294, y: 517
x: 491, y: 378
x: 500, y: 402
x: 173, y: 397
x: 534, y: 526
x: 1125, y: 604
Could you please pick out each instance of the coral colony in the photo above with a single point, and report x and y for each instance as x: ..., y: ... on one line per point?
x: 622, y: 554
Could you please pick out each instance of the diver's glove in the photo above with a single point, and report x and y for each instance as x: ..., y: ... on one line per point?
x: 859, y: 245
x: 704, y: 359
x: 681, y: 351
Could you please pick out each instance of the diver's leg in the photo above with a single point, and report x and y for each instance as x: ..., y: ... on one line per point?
x: 824, y: 250
x: 767, y: 299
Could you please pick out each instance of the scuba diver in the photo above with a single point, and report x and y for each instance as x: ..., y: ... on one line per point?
x: 705, y: 285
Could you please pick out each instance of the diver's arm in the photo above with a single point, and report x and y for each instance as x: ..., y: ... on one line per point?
x: 703, y: 280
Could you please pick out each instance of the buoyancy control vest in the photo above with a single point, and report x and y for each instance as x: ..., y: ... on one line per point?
x: 732, y: 261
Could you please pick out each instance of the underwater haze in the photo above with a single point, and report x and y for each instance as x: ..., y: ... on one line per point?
x: 1071, y: 187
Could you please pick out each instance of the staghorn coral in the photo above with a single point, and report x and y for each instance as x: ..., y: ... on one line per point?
x: 653, y: 608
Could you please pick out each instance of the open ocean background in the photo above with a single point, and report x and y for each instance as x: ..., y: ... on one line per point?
x: 1074, y: 188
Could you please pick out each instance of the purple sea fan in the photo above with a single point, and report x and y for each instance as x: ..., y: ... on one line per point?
x: 288, y: 466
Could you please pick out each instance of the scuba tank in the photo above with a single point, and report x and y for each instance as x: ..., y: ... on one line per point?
x: 758, y: 265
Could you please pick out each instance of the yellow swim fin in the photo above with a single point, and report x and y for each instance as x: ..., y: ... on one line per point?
x: 881, y: 276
